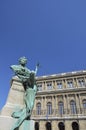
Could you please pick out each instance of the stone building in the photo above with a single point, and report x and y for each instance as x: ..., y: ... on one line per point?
x: 60, y: 102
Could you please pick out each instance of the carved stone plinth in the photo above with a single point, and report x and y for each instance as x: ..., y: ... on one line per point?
x: 15, y: 100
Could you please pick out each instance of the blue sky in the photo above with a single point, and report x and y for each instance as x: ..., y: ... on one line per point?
x: 52, y: 32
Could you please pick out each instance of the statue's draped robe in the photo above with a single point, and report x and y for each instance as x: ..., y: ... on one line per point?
x: 27, y: 78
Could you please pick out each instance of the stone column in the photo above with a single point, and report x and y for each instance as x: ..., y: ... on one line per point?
x: 45, y: 107
x: 77, y: 83
x: 74, y: 82
x: 55, y: 85
x: 56, y: 106
x: 42, y: 105
x: 54, y: 125
x: 68, y: 105
x: 53, y: 105
x: 63, y: 84
x: 80, y: 104
x: 68, y: 125
x: 42, y: 125
x: 66, y: 85
x: 65, y: 103
x: 77, y: 103
x: 43, y: 85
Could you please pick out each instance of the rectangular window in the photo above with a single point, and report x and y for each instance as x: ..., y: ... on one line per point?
x: 61, y: 108
x: 73, y: 107
x: 59, y: 85
x: 49, y: 109
x: 38, y: 109
x: 49, y: 86
x: 70, y: 84
x: 81, y: 82
x: 39, y: 87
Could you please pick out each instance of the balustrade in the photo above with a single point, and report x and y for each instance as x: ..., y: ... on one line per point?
x: 58, y: 113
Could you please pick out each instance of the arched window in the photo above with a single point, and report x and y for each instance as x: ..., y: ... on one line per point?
x: 61, y: 126
x: 38, y: 109
x: 61, y: 108
x: 49, y: 108
x: 84, y: 104
x: 75, y: 126
x: 36, y: 126
x: 73, y: 107
x: 48, y: 126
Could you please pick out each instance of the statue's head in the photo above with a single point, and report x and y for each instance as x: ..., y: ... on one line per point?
x: 23, y: 61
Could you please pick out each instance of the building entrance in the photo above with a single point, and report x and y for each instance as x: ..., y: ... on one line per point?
x: 75, y: 126
x: 36, y: 126
x: 48, y: 126
x: 61, y: 126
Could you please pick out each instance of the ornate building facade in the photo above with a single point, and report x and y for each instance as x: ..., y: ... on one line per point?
x: 60, y: 102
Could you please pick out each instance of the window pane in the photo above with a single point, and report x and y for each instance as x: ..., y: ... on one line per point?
x: 84, y: 104
x: 70, y: 84
x: 49, y: 108
x: 49, y: 86
x: 61, y: 108
x: 73, y: 107
x: 59, y: 85
x: 81, y: 82
x: 38, y: 109
x: 39, y: 87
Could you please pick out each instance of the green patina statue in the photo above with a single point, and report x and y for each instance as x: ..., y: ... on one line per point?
x: 27, y: 78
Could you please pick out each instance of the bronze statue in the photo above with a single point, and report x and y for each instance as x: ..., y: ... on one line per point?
x: 27, y: 78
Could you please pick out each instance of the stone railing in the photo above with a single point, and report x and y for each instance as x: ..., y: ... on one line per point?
x: 60, y: 113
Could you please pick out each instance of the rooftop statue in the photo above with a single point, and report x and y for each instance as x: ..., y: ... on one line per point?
x: 27, y: 78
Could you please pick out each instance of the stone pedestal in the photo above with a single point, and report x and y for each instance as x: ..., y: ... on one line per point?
x: 15, y: 100
x: 6, y: 123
